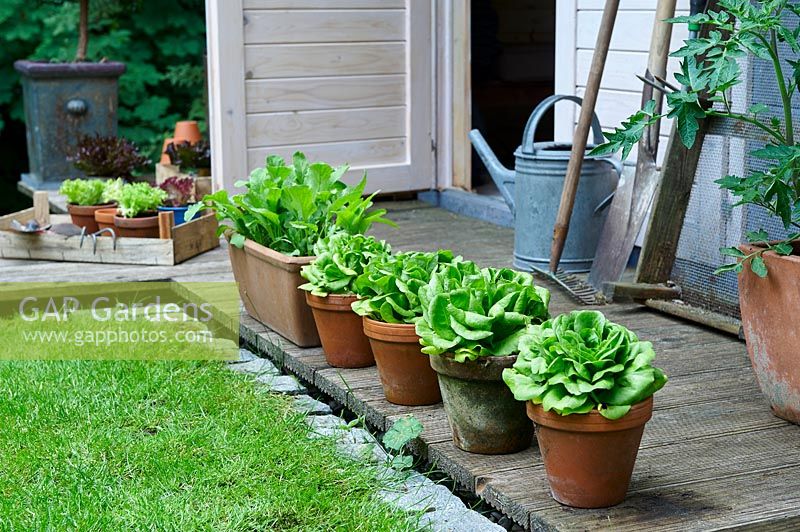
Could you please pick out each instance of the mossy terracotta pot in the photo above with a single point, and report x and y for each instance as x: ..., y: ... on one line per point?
x: 268, y: 285
x: 483, y: 414
x: 406, y: 373
x: 589, y: 459
x: 770, y: 307
x: 138, y: 227
x: 343, y: 340
x: 105, y: 219
x: 83, y: 215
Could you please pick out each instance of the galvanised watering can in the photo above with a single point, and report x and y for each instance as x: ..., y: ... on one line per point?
x: 533, y: 192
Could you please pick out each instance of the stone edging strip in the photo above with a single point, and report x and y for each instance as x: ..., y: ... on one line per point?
x: 410, y: 491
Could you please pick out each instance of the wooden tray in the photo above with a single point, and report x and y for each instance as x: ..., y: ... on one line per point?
x: 174, y: 245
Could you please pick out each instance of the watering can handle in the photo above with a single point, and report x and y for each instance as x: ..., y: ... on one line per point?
x: 528, y: 145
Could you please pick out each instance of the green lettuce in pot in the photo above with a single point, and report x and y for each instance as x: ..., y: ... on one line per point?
x: 474, y: 312
x: 289, y: 208
x: 340, y: 259
x: 389, y: 287
x: 581, y: 361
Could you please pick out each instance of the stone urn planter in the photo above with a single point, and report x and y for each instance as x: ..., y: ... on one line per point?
x: 770, y: 307
x: 406, y: 373
x: 589, y: 459
x: 62, y: 102
x: 340, y: 331
x: 268, y: 285
x: 483, y: 414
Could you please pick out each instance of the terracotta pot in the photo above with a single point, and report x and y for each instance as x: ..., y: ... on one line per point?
x: 139, y: 227
x: 340, y: 331
x: 164, y: 156
x: 186, y: 131
x: 770, y: 307
x: 268, y: 282
x: 83, y: 215
x: 406, y: 373
x: 589, y: 459
x: 105, y: 219
x: 483, y: 414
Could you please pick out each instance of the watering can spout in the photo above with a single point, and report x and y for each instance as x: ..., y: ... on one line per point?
x: 502, y: 176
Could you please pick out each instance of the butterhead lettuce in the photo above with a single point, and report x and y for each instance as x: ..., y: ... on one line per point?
x: 581, y: 361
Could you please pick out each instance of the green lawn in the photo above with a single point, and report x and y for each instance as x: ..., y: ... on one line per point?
x: 168, y: 446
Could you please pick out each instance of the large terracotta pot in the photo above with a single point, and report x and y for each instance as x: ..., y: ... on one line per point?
x: 589, y: 459
x: 405, y: 372
x: 268, y: 282
x: 139, y: 227
x: 483, y: 414
x: 340, y: 331
x: 83, y: 215
x: 770, y: 309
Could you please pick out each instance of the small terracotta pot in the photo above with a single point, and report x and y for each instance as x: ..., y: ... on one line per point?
x: 83, y: 215
x: 483, y: 414
x: 105, y: 219
x: 405, y: 372
x: 770, y: 306
x: 589, y: 459
x: 268, y: 282
x: 340, y: 331
x: 186, y: 131
x: 140, y: 227
x: 164, y: 156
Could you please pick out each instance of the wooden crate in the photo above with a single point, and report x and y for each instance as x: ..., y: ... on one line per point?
x: 174, y: 245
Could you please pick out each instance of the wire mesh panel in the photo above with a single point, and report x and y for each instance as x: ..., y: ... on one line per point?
x: 711, y: 220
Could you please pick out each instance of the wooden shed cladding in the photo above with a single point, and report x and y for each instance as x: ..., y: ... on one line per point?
x: 620, y: 92
x: 331, y: 78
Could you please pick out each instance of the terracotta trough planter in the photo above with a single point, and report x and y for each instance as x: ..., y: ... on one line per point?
x: 340, y: 331
x: 770, y: 307
x: 140, y: 227
x: 84, y: 215
x: 483, y: 414
x: 268, y: 282
x: 406, y: 373
x: 589, y: 459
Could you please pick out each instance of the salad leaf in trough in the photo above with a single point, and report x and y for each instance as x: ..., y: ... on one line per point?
x: 389, y: 287
x: 289, y: 208
x: 83, y: 191
x: 472, y: 312
x: 340, y: 259
x: 138, y: 198
x: 581, y: 361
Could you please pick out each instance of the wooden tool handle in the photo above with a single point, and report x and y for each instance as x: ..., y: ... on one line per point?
x: 582, y: 133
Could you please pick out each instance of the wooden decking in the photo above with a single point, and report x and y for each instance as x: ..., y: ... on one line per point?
x: 712, y: 457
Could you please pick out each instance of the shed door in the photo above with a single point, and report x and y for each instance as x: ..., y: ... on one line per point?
x: 345, y: 81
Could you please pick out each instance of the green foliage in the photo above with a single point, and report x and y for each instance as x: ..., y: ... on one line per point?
x: 340, y: 259
x: 112, y: 190
x: 389, y: 287
x: 289, y: 208
x: 402, y: 431
x: 709, y: 69
x: 473, y: 312
x: 579, y: 362
x: 83, y: 191
x: 137, y: 198
x: 162, y: 44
